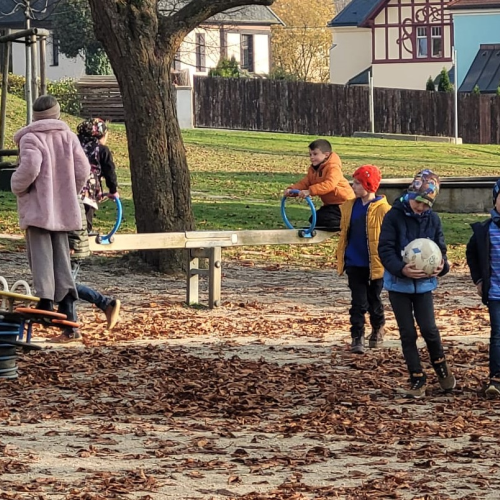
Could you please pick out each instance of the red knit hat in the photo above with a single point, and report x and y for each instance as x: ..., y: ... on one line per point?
x: 369, y: 177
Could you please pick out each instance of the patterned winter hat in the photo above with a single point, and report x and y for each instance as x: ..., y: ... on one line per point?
x: 425, y: 187
x: 369, y: 177
x: 496, y: 191
x: 92, y: 128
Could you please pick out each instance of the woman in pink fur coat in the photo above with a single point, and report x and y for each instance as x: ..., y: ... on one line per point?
x: 51, y: 172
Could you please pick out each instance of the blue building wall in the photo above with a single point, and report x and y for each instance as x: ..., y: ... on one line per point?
x: 470, y: 31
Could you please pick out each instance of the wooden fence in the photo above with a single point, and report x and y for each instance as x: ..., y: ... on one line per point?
x: 100, y: 96
x: 329, y: 110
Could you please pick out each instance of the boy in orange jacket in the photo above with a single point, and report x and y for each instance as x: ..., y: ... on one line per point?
x: 324, y: 179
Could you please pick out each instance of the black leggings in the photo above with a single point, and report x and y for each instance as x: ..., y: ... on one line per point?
x: 418, y: 307
x: 89, y: 214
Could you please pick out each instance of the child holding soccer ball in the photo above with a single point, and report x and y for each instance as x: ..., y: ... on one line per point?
x: 410, y: 289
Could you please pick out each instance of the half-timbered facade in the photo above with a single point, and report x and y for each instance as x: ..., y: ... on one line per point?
x: 401, y: 42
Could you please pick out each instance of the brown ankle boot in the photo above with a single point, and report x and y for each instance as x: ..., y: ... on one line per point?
x: 446, y: 379
x: 376, y: 338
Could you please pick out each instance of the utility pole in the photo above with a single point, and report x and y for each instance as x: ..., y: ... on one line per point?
x: 455, y: 95
x: 28, y: 88
x: 5, y: 83
x: 371, y: 102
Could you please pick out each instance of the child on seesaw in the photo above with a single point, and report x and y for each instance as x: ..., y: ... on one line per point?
x: 324, y: 179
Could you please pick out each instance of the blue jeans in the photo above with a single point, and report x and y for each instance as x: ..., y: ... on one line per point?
x: 494, y: 308
x: 93, y: 296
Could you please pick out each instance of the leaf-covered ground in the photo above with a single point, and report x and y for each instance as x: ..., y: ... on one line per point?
x: 259, y: 399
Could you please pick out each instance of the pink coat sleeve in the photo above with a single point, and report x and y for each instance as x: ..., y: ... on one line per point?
x: 30, y: 161
x: 82, y: 165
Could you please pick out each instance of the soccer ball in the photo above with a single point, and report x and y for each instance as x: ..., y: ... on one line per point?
x: 424, y: 254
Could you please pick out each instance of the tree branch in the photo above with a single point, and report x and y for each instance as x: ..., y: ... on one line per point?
x: 197, y: 11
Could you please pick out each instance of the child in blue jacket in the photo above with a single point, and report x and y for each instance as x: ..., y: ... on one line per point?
x: 483, y: 259
x: 410, y: 289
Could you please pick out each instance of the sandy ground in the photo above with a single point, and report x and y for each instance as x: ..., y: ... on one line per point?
x: 259, y: 398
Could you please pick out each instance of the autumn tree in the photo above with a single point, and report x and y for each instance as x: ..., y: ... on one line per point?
x: 302, y: 46
x: 72, y: 24
x: 141, y: 38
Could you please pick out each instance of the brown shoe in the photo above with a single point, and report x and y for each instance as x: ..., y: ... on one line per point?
x: 112, y: 313
x: 376, y: 338
x: 66, y: 337
x: 446, y: 379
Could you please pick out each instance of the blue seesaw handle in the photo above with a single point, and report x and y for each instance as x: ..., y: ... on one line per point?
x: 305, y: 233
x: 108, y: 238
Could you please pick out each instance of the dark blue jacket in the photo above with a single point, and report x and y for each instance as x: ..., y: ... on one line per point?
x: 478, y: 256
x: 399, y: 228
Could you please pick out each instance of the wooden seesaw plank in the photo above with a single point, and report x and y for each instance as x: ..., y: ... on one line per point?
x: 206, y: 244
x: 207, y: 239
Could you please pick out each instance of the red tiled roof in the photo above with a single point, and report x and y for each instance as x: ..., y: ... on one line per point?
x: 474, y: 4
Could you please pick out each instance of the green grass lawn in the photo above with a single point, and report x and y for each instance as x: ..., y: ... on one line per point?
x: 237, y: 177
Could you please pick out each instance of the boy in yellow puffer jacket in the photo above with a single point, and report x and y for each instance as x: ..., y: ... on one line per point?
x: 357, y: 255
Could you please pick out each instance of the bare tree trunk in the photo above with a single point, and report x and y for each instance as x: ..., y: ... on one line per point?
x: 160, y: 176
x: 141, y: 45
x: 160, y: 180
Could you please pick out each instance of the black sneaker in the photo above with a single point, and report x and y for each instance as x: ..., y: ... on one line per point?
x: 418, y: 384
x: 493, y: 388
x: 446, y: 379
x: 358, y: 345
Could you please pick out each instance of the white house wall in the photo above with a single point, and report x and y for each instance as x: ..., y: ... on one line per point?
x: 261, y: 54
x: 233, y: 49
x: 75, y: 68
x: 67, y: 68
x: 234, y: 46
x: 406, y: 75
x: 350, y: 54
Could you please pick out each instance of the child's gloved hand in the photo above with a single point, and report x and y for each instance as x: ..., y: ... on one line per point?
x: 438, y: 270
x: 411, y: 272
x: 287, y: 192
x: 113, y: 196
x: 304, y: 193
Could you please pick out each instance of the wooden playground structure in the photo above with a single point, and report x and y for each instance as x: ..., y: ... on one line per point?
x: 207, y: 245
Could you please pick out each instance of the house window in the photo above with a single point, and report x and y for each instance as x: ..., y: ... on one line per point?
x: 422, y: 42
x: 247, y: 57
x: 201, y: 64
x: 437, y: 41
x: 55, y: 50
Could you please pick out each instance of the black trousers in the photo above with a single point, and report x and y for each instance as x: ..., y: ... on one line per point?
x: 365, y: 297
x: 328, y: 216
x: 420, y: 307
